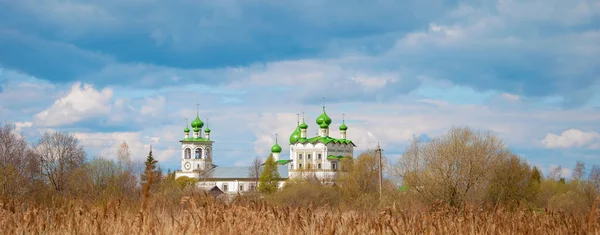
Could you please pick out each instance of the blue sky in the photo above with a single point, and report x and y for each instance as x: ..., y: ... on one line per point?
x: 133, y: 70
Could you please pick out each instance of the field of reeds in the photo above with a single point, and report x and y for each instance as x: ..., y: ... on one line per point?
x: 205, y: 215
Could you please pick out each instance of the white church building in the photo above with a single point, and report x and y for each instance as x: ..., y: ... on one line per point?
x: 319, y: 156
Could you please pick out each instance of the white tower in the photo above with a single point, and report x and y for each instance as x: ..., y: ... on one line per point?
x: 343, y: 128
x: 196, y: 152
x: 276, y: 150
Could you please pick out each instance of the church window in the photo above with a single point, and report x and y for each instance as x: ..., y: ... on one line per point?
x: 225, y: 188
x: 319, y: 156
x: 198, y: 153
x: 300, y: 166
x: 308, y: 156
x: 187, y: 153
x: 241, y: 187
x: 334, y: 166
x: 319, y: 166
x: 300, y: 156
x: 207, y: 154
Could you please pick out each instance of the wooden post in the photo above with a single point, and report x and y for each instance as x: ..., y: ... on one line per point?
x: 379, y: 150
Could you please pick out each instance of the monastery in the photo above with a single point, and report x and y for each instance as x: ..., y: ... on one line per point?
x: 319, y: 156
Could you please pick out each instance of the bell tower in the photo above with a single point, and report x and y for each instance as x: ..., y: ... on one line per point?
x: 196, y: 151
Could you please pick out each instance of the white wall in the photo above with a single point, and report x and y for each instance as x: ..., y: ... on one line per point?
x: 233, y: 186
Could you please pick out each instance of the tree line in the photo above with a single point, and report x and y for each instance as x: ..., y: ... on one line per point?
x: 461, y: 168
x: 56, y: 168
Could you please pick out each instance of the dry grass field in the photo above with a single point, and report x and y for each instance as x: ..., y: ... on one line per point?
x: 204, y: 215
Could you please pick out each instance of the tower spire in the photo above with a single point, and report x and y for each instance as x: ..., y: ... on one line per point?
x: 197, y: 109
x: 343, y: 118
x: 323, y: 104
x: 298, y: 118
x: 276, y: 138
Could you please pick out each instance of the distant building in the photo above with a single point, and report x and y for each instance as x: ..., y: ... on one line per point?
x: 319, y: 156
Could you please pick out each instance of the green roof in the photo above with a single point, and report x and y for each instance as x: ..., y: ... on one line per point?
x: 197, y: 123
x: 207, y: 130
x: 343, y: 127
x: 324, y: 125
x: 295, y: 135
x: 331, y: 157
x: 323, y: 119
x: 186, y: 130
x: 192, y: 139
x: 276, y: 148
x: 283, y: 161
x: 303, y: 125
x: 324, y: 140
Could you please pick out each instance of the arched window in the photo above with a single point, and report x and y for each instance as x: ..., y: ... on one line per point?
x: 207, y: 153
x: 198, y: 153
x: 187, y: 153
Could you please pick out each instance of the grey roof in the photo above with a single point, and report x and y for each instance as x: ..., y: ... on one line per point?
x: 240, y: 172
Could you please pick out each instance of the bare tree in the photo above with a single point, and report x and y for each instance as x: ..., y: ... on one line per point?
x: 254, y: 172
x: 14, y: 161
x: 453, y: 167
x: 579, y: 171
x: 555, y: 173
x: 102, y: 172
x: 124, y: 157
x: 594, y: 177
x: 361, y: 175
x: 511, y: 182
x: 60, y: 154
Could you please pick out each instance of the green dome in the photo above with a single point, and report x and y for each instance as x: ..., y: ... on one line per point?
x: 197, y: 123
x: 323, y: 118
x: 343, y: 127
x: 295, y: 135
x: 186, y: 130
x: 324, y: 125
x: 276, y: 148
x: 207, y: 130
x: 303, y: 126
x: 196, y: 129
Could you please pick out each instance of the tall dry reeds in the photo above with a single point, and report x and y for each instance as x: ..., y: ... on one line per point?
x: 205, y: 215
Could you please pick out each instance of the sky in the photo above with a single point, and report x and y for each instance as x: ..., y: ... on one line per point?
x: 133, y: 70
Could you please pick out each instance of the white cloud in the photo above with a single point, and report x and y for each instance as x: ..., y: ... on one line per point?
x: 510, y: 97
x: 83, y: 101
x: 20, y: 125
x: 153, y: 106
x: 572, y: 138
x: 107, y: 144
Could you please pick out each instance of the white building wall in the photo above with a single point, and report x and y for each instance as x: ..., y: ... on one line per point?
x: 232, y: 186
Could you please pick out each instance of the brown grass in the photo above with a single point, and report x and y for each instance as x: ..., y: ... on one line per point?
x: 204, y: 215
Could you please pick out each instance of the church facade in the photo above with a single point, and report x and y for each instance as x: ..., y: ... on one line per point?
x: 319, y: 156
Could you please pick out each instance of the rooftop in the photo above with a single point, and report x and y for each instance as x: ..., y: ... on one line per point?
x: 240, y: 172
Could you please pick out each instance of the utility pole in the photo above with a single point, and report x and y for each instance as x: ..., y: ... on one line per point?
x: 379, y: 150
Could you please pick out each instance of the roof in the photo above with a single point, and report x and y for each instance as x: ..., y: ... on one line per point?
x: 332, y: 157
x: 240, y: 172
x: 326, y: 140
x: 192, y: 139
x: 283, y: 161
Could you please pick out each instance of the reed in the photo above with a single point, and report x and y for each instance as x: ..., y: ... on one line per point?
x: 205, y: 215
